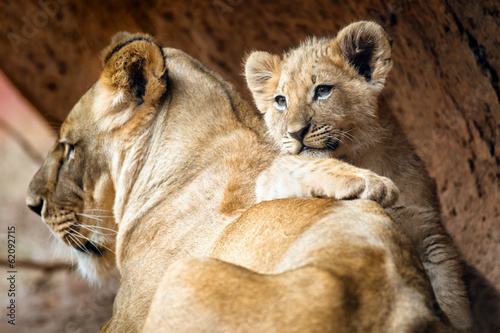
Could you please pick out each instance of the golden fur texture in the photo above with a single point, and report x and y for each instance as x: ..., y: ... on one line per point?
x: 323, y: 99
x: 173, y: 152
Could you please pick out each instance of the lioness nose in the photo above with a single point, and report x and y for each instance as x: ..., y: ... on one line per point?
x: 35, y: 204
x: 299, y: 135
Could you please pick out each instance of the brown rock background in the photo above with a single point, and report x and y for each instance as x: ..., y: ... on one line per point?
x: 444, y: 87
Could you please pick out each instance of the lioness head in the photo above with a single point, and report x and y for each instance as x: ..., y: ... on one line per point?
x: 322, y: 97
x: 75, y: 189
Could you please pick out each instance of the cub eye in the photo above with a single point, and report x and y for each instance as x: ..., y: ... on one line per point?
x: 323, y: 91
x: 280, y: 102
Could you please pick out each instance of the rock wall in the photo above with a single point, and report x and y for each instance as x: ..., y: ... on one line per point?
x: 444, y: 87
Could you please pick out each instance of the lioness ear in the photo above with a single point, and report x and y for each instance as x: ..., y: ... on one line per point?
x: 262, y: 70
x: 134, y: 70
x: 367, y: 48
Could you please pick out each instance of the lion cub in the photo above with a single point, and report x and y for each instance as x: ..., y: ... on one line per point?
x: 323, y: 99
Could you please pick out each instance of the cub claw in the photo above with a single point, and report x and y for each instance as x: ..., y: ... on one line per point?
x: 380, y: 189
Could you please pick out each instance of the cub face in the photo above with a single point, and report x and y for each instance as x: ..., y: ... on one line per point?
x: 322, y: 98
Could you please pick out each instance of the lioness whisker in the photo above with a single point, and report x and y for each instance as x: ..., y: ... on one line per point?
x: 52, y: 232
x: 72, y: 260
x: 93, y: 215
x: 77, y: 242
x: 90, y: 217
x: 94, y: 231
x: 99, y: 227
x: 93, y: 242
x: 50, y: 235
x: 58, y: 248
x: 89, y: 228
x: 88, y: 239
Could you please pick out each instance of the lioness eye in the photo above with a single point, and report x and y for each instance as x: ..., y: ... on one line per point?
x: 70, y: 151
x: 323, y: 91
x: 280, y: 102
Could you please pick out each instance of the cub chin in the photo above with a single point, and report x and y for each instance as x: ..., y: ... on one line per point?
x: 323, y: 99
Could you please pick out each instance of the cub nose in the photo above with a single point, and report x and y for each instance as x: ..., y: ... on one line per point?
x: 300, y: 134
x: 35, y: 204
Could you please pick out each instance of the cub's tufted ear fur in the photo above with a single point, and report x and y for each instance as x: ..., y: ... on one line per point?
x: 262, y: 72
x: 367, y: 48
x: 134, y: 70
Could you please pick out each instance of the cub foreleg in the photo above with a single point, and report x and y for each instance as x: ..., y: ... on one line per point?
x: 301, y: 176
x: 442, y: 260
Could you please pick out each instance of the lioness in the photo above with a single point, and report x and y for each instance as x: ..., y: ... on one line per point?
x: 323, y: 99
x: 172, y: 152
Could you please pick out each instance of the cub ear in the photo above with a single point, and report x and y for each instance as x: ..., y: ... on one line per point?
x: 134, y: 70
x: 262, y: 72
x: 367, y: 48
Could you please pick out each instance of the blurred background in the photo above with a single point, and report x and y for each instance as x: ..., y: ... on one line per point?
x: 444, y: 88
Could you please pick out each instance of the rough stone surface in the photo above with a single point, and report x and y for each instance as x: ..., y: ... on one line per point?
x: 444, y: 86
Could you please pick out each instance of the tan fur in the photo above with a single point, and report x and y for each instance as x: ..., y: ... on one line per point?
x: 176, y: 158
x: 353, y: 123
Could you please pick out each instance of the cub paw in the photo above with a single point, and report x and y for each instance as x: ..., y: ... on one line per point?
x: 298, y: 176
x: 365, y: 185
x: 380, y: 189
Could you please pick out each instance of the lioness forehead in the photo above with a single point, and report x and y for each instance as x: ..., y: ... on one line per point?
x: 80, y: 117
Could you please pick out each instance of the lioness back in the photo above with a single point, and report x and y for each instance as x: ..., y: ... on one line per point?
x: 318, y: 270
